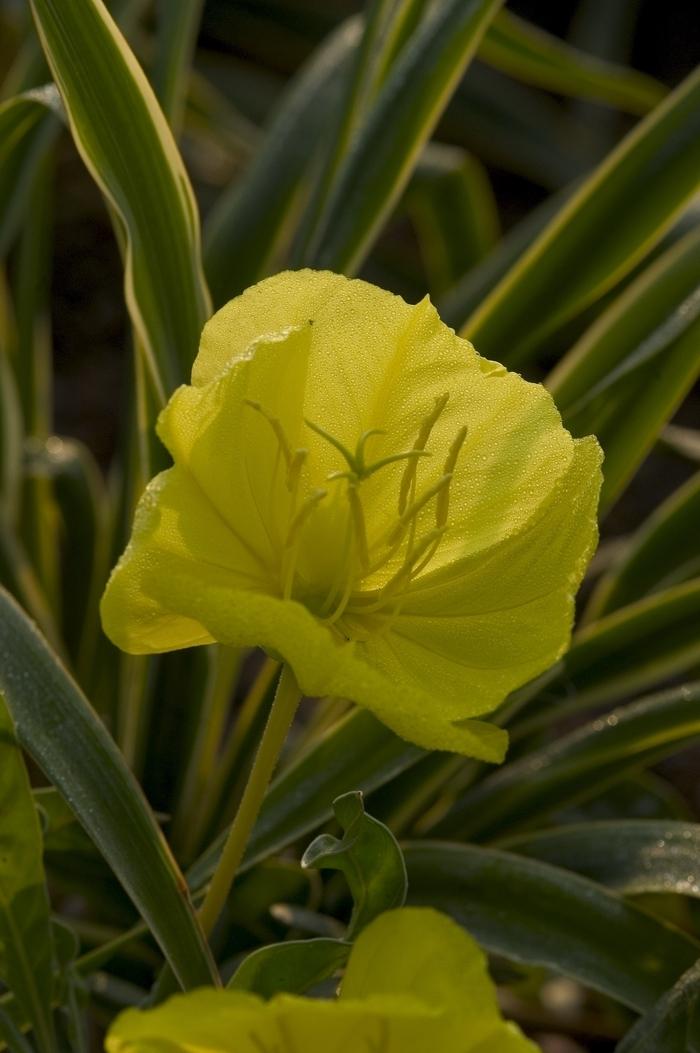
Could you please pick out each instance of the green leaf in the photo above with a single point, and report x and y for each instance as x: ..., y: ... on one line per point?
x: 454, y: 212
x: 670, y: 1026
x: 178, y: 26
x: 663, y: 552
x: 530, y: 912
x: 534, y: 56
x: 575, y: 260
x: 629, y: 372
x: 58, y: 728
x: 359, y: 752
x: 388, y: 144
x: 28, y: 127
x: 631, y: 856
x: 576, y: 766
x: 368, y: 855
x: 465, y: 296
x: 293, y: 967
x: 129, y: 149
x: 245, y: 224
x: 628, y: 650
x: 26, y: 948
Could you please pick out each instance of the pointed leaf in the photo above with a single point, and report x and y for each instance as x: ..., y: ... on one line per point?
x: 368, y: 855
x: 129, y: 149
x: 26, y: 948
x: 58, y: 728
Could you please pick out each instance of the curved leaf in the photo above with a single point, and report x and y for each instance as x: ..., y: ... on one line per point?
x: 28, y: 127
x: 368, y: 855
x: 670, y: 1026
x: 58, y: 728
x: 292, y: 967
x: 129, y: 149
x: 358, y: 753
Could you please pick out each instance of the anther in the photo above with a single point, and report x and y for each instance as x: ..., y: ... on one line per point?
x: 307, y: 507
x: 416, y: 506
x: 294, y: 470
x: 420, y: 444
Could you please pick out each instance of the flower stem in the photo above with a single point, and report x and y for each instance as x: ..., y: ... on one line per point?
x: 279, y: 721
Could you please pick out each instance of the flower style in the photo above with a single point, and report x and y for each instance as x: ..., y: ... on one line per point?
x: 358, y: 492
x: 415, y: 982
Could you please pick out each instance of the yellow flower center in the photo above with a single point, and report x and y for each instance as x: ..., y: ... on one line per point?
x: 345, y: 598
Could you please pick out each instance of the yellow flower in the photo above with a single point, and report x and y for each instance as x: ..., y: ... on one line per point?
x: 415, y: 983
x: 356, y: 491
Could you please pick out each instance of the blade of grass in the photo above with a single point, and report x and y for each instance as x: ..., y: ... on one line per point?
x: 26, y: 946
x: 577, y: 766
x: 664, y: 552
x: 178, y: 26
x: 389, y: 143
x: 245, y: 224
x: 557, y: 920
x: 631, y: 369
x: 130, y: 151
x: 600, y: 234
x: 56, y: 725
x: 530, y: 54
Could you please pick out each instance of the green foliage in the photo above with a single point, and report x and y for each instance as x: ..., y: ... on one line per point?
x: 373, y: 144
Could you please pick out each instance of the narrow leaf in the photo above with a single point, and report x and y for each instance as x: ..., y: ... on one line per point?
x: 26, y: 948
x: 530, y: 912
x: 56, y: 725
x: 292, y: 967
x: 129, y: 149
x: 631, y: 856
x: 576, y: 766
x: 529, y: 53
x: 600, y: 234
x: 389, y: 143
x: 629, y: 372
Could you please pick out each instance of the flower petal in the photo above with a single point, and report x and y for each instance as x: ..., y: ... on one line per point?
x: 186, y: 579
x: 422, y: 953
x: 475, y: 631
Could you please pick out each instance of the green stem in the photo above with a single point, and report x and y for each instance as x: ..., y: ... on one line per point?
x: 217, y: 786
x: 224, y: 667
x: 279, y: 721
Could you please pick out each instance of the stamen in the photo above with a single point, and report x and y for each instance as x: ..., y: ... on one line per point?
x: 294, y: 471
x: 349, y: 457
x: 443, y: 501
x: 360, y: 449
x: 307, y: 507
x: 392, y: 458
x: 420, y: 444
x: 416, y: 506
x: 358, y: 518
x: 291, y: 553
x: 277, y: 428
